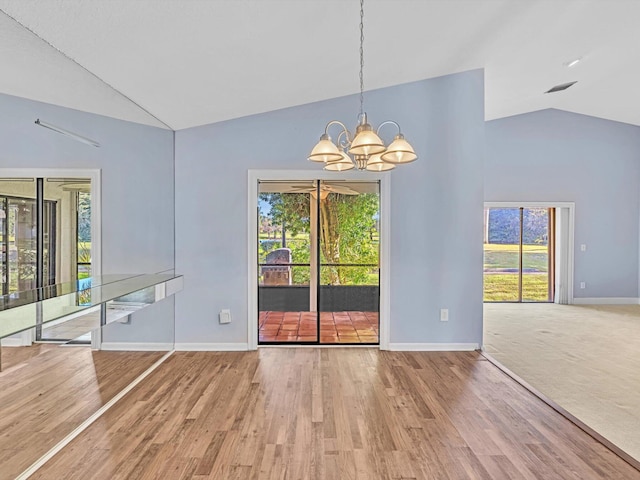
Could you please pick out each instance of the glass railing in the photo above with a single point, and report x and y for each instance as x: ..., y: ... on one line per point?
x: 117, y: 295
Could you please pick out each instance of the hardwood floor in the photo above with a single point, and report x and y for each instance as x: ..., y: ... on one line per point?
x: 19, y: 356
x: 332, y: 414
x: 46, y: 391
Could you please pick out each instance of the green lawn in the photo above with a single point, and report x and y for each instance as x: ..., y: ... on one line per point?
x: 503, y: 285
x: 504, y: 288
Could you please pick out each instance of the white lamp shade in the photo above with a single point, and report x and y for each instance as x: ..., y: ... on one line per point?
x: 375, y: 164
x: 345, y: 163
x: 400, y: 151
x: 366, y: 143
x: 325, y: 151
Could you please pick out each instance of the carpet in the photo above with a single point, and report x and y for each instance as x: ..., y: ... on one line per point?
x: 586, y: 359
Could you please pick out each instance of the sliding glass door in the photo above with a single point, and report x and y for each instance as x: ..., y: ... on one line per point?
x: 318, y: 262
x: 519, y: 254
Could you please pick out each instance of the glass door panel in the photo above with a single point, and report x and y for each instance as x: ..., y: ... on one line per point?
x: 83, y: 224
x: 349, y: 241
x: 22, y: 250
x: 67, y: 233
x: 4, y: 245
x: 502, y: 255
x: 535, y: 255
x: 287, y: 279
x: 49, y: 245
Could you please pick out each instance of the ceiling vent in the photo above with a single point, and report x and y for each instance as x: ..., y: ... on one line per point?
x: 561, y: 87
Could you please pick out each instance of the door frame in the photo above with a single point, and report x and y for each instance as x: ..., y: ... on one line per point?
x: 253, y: 177
x: 564, y: 244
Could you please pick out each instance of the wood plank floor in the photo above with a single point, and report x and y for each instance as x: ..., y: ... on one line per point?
x: 19, y: 356
x: 46, y: 391
x: 332, y: 414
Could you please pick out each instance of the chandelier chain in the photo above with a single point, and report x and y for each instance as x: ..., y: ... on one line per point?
x: 361, y: 57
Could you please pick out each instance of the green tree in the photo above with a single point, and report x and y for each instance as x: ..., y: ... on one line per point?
x: 84, y: 217
x: 347, y: 231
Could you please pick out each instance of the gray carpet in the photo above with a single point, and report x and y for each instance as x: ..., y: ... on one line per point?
x: 584, y: 358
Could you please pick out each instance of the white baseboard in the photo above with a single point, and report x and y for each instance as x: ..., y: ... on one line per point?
x: 136, y: 347
x: 433, y: 347
x: 211, y: 347
x: 607, y: 301
x: 21, y: 339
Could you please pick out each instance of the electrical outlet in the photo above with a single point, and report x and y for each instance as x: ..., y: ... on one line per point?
x: 444, y: 314
x: 225, y: 316
x: 583, y: 248
x: 583, y: 285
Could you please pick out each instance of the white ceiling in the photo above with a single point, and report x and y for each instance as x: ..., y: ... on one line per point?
x: 190, y: 62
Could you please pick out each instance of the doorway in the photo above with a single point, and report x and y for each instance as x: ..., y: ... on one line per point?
x: 519, y: 254
x: 318, y: 262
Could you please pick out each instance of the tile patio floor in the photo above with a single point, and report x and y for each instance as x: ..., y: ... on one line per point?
x: 335, y: 327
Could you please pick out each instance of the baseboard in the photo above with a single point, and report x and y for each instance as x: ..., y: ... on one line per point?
x: 433, y: 347
x: 211, y: 347
x: 21, y: 339
x: 607, y: 301
x: 136, y: 347
x: 11, y: 342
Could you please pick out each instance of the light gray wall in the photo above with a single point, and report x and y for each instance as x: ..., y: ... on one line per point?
x: 137, y: 190
x: 552, y: 155
x: 436, y: 207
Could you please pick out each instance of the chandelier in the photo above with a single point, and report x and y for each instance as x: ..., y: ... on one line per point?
x: 365, y: 150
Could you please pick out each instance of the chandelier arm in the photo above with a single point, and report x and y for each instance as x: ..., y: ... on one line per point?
x: 345, y: 130
x: 344, y: 144
x: 387, y: 122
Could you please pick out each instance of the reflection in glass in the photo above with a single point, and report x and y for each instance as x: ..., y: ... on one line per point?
x: 4, y: 245
x: 18, y: 310
x: 83, y: 233
x: 67, y: 236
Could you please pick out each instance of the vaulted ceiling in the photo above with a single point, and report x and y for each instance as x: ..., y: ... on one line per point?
x: 181, y: 63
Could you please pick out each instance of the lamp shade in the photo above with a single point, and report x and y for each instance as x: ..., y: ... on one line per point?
x: 400, y: 151
x: 345, y: 163
x: 325, y: 151
x: 366, y: 142
x: 375, y: 164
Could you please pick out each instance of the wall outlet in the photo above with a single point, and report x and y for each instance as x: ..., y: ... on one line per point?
x: 583, y: 248
x: 444, y: 314
x: 583, y: 285
x: 225, y: 316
